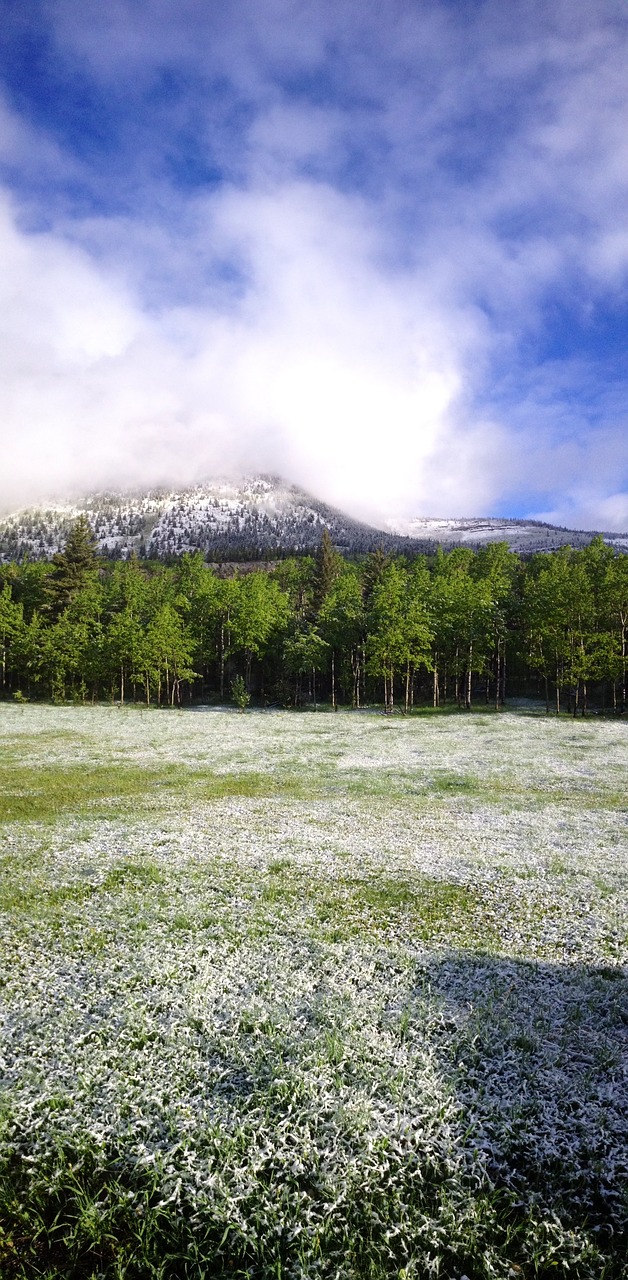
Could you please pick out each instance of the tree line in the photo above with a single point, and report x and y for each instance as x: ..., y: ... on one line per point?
x: 453, y: 627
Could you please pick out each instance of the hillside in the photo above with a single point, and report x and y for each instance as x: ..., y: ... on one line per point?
x: 257, y: 517
x: 523, y: 536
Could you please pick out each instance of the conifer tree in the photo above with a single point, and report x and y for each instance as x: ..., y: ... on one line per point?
x: 73, y: 566
x: 328, y: 565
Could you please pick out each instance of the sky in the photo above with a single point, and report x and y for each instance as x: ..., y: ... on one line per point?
x: 380, y: 250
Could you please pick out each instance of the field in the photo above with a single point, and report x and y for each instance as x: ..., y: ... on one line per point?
x: 299, y: 995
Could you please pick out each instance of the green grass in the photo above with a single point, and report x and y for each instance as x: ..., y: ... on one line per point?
x: 424, y: 907
x: 40, y: 898
x: 326, y: 1030
x: 45, y: 793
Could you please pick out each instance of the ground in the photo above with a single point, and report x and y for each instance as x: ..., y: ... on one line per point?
x: 312, y: 995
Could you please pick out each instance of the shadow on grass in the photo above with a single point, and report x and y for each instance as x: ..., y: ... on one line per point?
x: 539, y: 1053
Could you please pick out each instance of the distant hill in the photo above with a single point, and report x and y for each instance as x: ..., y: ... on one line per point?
x: 259, y: 517
x: 524, y: 536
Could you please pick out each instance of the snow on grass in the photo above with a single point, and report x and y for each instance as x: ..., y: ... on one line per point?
x: 309, y: 995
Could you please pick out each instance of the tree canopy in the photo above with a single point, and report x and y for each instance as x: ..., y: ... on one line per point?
x: 455, y: 627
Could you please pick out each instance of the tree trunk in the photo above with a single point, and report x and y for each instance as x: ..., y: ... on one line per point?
x: 469, y: 677
x: 435, y: 689
x: 222, y: 662
x: 546, y: 695
x: 333, y: 680
x: 407, y: 698
x: 355, y: 669
x: 623, y: 668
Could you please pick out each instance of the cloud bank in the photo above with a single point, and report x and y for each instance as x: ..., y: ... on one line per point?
x: 383, y: 256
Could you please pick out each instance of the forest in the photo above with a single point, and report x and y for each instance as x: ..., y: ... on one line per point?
x: 453, y: 628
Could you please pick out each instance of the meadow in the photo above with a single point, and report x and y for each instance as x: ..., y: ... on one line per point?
x: 310, y: 995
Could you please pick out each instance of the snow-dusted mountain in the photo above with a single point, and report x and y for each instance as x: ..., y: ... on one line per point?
x: 524, y: 536
x: 259, y: 516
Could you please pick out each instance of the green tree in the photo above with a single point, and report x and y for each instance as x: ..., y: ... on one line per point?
x: 461, y: 612
x: 240, y: 693
x: 305, y: 653
x: 399, y: 627
x: 417, y: 627
x: 341, y: 622
x: 328, y: 566
x: 297, y: 578
x: 201, y: 601
x: 499, y: 568
x: 74, y: 566
x: 559, y: 622
x: 165, y: 658
x: 28, y: 652
x: 614, y: 606
x: 260, y: 609
x: 11, y: 619
x: 29, y: 584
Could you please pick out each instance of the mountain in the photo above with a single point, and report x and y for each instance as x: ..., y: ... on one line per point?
x: 256, y: 517
x: 259, y: 516
x: 523, y: 536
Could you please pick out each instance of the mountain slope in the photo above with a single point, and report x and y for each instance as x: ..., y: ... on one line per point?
x: 259, y: 516
x: 524, y: 536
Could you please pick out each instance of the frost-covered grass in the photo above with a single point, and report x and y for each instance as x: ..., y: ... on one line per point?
x: 310, y: 995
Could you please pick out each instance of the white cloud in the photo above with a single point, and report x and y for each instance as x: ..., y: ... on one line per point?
x: 346, y: 331
x: 606, y: 513
x: 324, y: 371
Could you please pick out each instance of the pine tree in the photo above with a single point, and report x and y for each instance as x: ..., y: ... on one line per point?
x: 328, y: 566
x: 74, y: 566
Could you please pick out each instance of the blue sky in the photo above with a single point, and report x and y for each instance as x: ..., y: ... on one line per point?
x: 381, y: 250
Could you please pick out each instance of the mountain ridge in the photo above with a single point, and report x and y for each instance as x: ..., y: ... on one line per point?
x: 254, y: 518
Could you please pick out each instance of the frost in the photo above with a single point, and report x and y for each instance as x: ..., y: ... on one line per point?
x: 368, y: 1005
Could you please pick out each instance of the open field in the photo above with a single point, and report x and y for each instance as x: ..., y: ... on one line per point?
x: 297, y: 995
